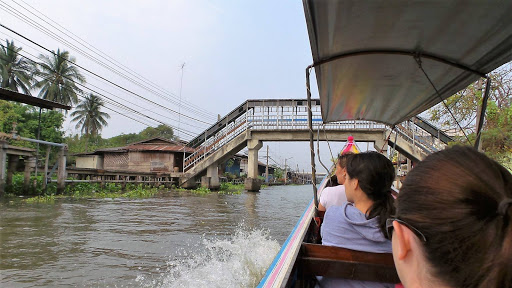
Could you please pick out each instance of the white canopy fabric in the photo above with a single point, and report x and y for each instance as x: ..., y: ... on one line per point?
x: 366, y: 53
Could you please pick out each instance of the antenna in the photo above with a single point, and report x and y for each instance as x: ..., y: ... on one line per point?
x: 181, y: 86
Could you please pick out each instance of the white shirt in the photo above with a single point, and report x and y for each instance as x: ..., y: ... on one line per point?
x: 333, y: 196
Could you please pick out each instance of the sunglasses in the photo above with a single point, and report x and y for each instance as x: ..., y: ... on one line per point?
x: 389, y: 228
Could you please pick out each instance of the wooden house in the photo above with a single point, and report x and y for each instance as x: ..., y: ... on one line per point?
x: 151, y: 155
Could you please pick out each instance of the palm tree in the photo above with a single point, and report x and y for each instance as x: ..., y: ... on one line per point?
x: 90, y: 120
x: 14, y: 70
x: 58, y: 78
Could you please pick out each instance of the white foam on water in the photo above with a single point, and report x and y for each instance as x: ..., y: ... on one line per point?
x: 240, y: 261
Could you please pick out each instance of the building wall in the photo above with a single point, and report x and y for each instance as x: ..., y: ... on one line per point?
x: 149, y: 161
x: 89, y: 161
x: 115, y: 161
x: 243, y: 166
x: 233, y: 169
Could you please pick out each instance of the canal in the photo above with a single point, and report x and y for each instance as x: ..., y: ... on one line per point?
x: 178, y: 239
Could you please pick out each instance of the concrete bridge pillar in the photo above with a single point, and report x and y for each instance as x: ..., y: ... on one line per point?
x: 11, y: 168
x: 30, y: 164
x: 212, y: 172
x: 61, y: 170
x: 252, y: 183
x: 3, y: 162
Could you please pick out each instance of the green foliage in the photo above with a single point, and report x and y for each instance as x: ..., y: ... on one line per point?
x: 278, y: 173
x: 57, y: 78
x: 78, y: 144
x: 89, y: 117
x: 27, y: 121
x: 201, y: 191
x: 17, y: 187
x: 162, y: 131
x: 229, y: 188
x: 496, y: 135
x: 40, y: 199
x: 15, y: 71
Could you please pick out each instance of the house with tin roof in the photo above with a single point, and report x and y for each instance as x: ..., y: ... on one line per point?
x: 152, y: 155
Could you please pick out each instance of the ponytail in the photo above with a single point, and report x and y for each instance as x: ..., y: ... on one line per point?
x: 383, y: 208
x: 375, y: 174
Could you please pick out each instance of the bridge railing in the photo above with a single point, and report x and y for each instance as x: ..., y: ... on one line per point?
x: 214, y: 143
x: 418, y: 137
x: 292, y: 115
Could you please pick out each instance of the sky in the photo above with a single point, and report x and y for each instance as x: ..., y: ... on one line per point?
x: 232, y: 51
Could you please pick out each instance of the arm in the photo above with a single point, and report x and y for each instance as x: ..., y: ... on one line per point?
x: 321, y: 207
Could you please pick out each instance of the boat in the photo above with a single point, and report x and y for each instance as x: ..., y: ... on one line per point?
x: 385, y: 61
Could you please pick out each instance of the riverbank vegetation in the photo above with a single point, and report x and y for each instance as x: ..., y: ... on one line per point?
x: 38, y: 194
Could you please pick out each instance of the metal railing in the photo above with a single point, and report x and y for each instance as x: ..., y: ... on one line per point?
x: 419, y: 137
x: 285, y: 115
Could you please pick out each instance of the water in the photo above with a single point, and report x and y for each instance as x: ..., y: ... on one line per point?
x: 178, y: 239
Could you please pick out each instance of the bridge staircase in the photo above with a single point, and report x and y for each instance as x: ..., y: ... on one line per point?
x: 415, y: 138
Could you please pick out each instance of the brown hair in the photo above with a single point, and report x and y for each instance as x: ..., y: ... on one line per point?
x: 342, y: 159
x: 453, y: 197
x: 375, y: 174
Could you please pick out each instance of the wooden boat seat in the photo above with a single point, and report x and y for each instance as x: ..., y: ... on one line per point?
x: 336, y: 262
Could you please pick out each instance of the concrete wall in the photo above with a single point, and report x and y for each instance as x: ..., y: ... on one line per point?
x: 90, y: 161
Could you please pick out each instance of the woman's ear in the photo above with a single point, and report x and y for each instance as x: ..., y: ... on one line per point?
x: 403, y: 240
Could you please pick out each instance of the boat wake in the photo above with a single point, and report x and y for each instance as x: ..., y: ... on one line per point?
x: 240, y: 261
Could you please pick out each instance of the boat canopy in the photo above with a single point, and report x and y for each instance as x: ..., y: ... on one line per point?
x: 372, y: 58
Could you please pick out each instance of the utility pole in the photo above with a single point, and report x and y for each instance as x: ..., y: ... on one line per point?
x: 285, y: 173
x: 266, y: 170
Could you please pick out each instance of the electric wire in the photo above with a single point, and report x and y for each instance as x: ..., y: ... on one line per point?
x: 18, y: 14
x: 186, y: 123
x: 101, y: 77
x: 119, y: 105
x: 124, y: 107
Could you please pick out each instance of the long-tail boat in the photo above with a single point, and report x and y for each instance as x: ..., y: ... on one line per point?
x: 386, y: 61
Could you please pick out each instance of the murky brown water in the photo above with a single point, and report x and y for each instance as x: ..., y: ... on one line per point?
x: 178, y: 239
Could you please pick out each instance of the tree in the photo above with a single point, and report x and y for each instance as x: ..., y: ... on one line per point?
x: 89, y: 117
x: 58, y: 78
x: 497, y: 130
x: 14, y: 70
x: 27, y: 122
x: 161, y: 130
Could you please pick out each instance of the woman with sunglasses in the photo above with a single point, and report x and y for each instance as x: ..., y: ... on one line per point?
x: 360, y: 223
x: 453, y: 224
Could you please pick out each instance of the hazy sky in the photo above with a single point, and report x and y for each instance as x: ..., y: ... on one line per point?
x: 233, y: 51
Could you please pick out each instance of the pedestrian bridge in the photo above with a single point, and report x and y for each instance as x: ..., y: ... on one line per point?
x: 256, y: 121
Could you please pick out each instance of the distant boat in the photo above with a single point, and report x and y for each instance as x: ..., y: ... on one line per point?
x: 386, y: 62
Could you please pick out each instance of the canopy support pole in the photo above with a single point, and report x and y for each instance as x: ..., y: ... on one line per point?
x: 481, y: 115
x: 311, y: 144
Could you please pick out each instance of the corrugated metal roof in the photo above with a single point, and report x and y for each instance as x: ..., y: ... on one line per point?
x: 367, y: 54
x: 154, y: 147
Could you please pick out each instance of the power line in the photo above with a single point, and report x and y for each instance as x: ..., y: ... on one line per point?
x: 101, y: 77
x: 186, y: 123
x: 20, y: 15
x: 119, y: 105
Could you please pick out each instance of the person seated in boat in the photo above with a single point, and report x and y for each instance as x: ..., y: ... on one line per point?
x: 335, y: 195
x: 360, y: 223
x: 453, y: 223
